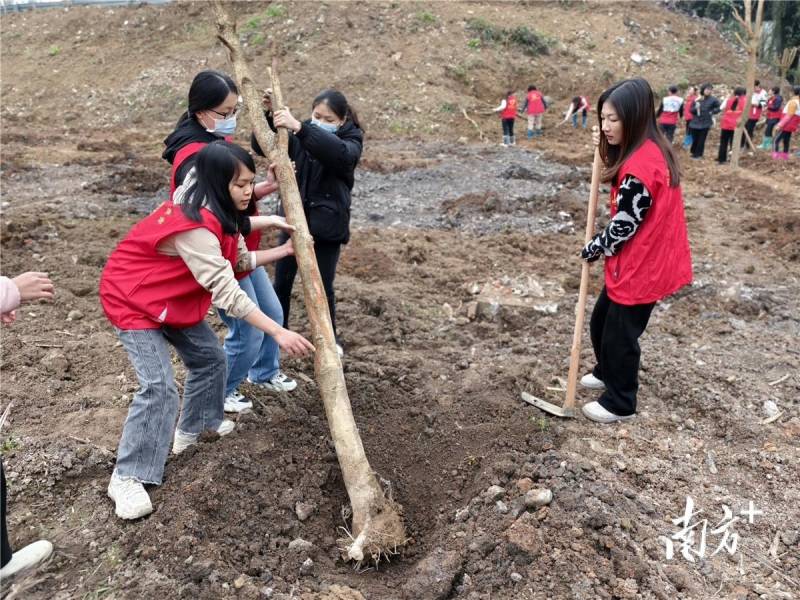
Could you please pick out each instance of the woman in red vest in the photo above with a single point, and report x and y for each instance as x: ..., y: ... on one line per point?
x: 508, y: 113
x: 645, y: 244
x: 156, y: 289
x: 535, y: 106
x: 732, y: 110
x: 774, y: 113
x: 212, y: 110
x: 668, y: 112
x: 788, y: 124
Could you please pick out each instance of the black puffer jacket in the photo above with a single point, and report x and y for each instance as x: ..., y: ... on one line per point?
x: 704, y: 109
x: 325, y: 164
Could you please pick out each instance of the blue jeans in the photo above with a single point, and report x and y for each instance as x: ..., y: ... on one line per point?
x: 249, y: 351
x: 147, y: 434
x: 584, y: 116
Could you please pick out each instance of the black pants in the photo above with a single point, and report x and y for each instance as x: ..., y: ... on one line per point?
x: 770, y: 126
x: 750, y: 127
x: 669, y: 131
x: 285, y: 270
x: 508, y: 127
x: 725, y: 144
x: 698, y: 142
x: 5, y: 554
x: 785, y: 137
x: 615, y: 330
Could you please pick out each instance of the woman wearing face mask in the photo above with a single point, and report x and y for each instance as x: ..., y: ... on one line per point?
x: 211, y: 115
x: 325, y: 150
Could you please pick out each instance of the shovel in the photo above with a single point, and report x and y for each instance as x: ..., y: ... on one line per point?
x: 568, y: 409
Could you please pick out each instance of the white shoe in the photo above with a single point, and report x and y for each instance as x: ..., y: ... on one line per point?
x: 184, y: 440
x: 597, y: 413
x: 279, y: 383
x: 132, y: 501
x: 29, y: 556
x: 236, y: 403
x: 592, y: 382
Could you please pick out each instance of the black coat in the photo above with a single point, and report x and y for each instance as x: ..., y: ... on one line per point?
x: 703, y: 109
x: 325, y: 164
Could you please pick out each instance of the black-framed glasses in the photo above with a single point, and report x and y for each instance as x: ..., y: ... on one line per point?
x: 229, y: 115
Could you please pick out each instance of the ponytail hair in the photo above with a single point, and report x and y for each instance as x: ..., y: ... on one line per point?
x: 336, y: 101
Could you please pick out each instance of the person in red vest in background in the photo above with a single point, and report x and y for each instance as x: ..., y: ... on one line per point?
x: 774, y: 113
x: 669, y: 111
x: 732, y: 109
x: 508, y: 113
x: 645, y: 244
x: 534, y: 106
x: 156, y: 289
x: 212, y: 110
x: 691, y: 96
x: 757, y: 103
x: 787, y: 125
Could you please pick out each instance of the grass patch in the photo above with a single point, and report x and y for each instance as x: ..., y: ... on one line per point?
x: 448, y: 107
x: 426, y: 18
x: 54, y: 50
x: 9, y: 445
x: 275, y: 11
x: 529, y: 41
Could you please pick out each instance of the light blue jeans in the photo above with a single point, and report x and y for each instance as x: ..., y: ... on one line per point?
x: 148, y: 430
x: 249, y: 351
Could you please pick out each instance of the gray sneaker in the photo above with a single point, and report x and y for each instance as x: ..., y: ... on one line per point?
x: 279, y: 383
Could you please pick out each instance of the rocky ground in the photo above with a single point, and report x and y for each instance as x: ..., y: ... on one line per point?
x: 456, y: 293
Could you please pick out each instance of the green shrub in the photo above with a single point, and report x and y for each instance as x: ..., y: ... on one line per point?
x: 276, y: 11
x: 529, y: 41
x: 54, y: 51
x: 426, y: 18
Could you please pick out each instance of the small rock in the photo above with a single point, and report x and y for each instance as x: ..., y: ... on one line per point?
x: 239, y: 582
x: 525, y: 484
x: 538, y: 497
x: 462, y: 515
x: 266, y: 592
x: 74, y: 315
x: 304, y: 510
x: 495, y: 492
x: 306, y: 567
x: 300, y: 545
x: 501, y: 507
x: 790, y: 536
x: 770, y: 408
x: 516, y: 577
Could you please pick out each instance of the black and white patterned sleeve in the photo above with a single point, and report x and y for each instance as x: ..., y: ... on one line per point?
x: 633, y: 202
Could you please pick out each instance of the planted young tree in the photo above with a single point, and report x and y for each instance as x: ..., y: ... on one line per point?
x: 752, y: 31
x: 377, y: 528
x: 786, y: 61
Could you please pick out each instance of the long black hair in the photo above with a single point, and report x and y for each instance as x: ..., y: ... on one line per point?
x: 216, y: 166
x: 633, y: 101
x: 336, y: 101
x: 737, y: 93
x: 209, y: 89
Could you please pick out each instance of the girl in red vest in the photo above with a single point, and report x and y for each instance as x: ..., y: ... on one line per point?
x: 156, y: 289
x: 645, y: 244
x: 508, y: 113
x: 535, y: 106
x: 669, y: 111
x: 691, y: 96
x: 774, y: 113
x: 212, y: 110
x: 732, y: 110
x: 788, y: 124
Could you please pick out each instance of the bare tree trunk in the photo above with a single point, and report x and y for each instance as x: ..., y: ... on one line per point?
x: 753, y: 32
x: 377, y: 525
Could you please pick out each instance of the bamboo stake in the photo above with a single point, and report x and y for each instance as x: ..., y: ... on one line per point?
x: 377, y: 524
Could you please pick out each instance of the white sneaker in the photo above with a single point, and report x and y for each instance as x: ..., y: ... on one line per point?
x: 279, y: 383
x: 592, y: 382
x: 184, y: 440
x: 132, y: 501
x: 29, y: 556
x: 236, y: 403
x: 595, y: 412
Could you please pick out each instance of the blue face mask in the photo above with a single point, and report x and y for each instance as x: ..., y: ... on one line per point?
x: 329, y: 127
x: 224, y: 126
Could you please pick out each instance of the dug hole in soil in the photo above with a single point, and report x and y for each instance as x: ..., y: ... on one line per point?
x: 456, y: 293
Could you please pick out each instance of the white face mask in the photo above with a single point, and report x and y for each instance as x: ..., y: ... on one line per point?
x: 224, y: 126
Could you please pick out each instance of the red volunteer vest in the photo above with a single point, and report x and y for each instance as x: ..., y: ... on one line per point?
x: 687, y: 108
x: 656, y: 261
x: 755, y: 112
x: 774, y: 109
x: 510, y: 111
x: 730, y: 117
x: 535, y: 103
x: 253, y: 239
x: 140, y: 288
x: 790, y: 122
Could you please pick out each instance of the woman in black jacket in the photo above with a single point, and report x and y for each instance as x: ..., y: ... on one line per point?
x: 325, y: 150
x: 703, y: 108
